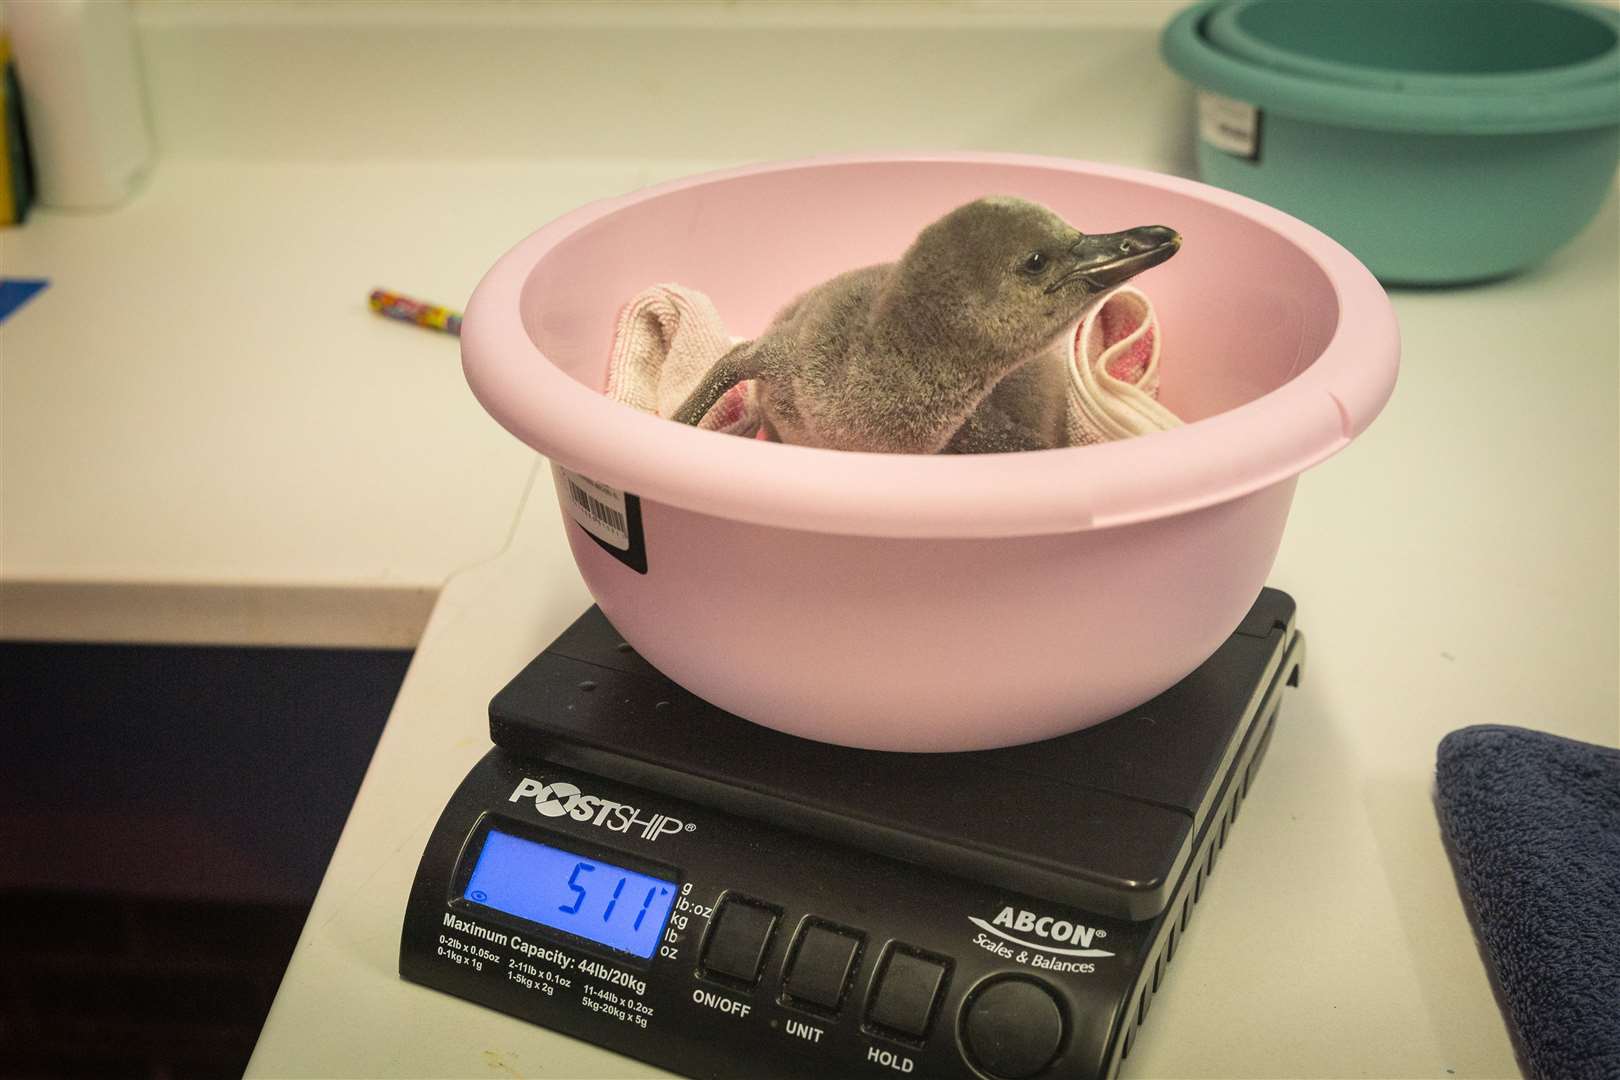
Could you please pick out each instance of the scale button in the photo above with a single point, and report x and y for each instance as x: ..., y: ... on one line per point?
x: 737, y: 940
x: 908, y: 985
x: 821, y: 966
x: 1012, y: 1028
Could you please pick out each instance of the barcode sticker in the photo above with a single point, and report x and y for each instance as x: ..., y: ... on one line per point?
x: 1229, y: 124
x: 599, y: 509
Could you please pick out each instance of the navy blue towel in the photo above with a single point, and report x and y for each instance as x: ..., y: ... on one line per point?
x: 1534, y: 825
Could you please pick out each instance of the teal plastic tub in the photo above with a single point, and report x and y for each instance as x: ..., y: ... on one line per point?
x: 1442, y: 141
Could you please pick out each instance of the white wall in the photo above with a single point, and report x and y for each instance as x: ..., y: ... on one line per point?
x: 692, y: 81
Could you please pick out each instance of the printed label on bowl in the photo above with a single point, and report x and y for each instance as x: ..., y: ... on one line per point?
x: 611, y: 517
x: 1229, y: 124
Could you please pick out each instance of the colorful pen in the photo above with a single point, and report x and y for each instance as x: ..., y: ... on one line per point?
x: 403, y: 308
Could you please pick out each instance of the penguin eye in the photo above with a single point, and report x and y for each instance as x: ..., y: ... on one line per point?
x: 1035, y: 262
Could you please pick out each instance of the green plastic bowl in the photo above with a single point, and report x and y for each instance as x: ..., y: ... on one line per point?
x: 1438, y: 46
x: 1442, y: 141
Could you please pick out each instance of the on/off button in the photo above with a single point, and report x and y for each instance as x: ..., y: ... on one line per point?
x: 738, y: 938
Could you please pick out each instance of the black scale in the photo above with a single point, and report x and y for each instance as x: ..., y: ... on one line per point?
x: 633, y: 867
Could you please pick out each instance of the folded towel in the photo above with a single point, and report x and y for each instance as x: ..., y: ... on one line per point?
x: 1114, y: 371
x: 668, y: 336
x: 1534, y: 825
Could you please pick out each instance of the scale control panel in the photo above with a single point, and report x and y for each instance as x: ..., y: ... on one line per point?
x: 715, y: 945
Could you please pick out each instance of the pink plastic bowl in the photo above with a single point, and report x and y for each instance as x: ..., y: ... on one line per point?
x: 917, y: 603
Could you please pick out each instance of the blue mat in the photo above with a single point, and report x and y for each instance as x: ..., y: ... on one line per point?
x: 1534, y: 825
x: 15, y: 292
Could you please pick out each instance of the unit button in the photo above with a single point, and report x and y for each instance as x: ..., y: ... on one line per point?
x: 819, y: 971
x: 1012, y: 1028
x: 737, y: 940
x: 908, y: 984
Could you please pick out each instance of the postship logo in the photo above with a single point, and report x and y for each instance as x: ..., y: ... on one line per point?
x: 562, y: 799
x: 1057, y: 935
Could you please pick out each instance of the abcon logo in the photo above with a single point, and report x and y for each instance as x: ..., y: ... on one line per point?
x: 563, y: 799
x: 1056, y: 932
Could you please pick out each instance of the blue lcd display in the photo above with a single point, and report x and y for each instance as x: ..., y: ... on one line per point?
x: 589, y: 898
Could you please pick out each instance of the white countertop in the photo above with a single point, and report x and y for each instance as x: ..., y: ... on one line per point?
x: 1456, y: 565
x: 207, y: 434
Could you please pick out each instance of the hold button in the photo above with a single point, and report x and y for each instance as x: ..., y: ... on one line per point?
x: 908, y: 987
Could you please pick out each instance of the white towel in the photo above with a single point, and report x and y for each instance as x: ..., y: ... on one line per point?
x: 1114, y: 373
x: 667, y: 337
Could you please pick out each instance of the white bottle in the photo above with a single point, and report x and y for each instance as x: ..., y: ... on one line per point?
x: 82, y: 100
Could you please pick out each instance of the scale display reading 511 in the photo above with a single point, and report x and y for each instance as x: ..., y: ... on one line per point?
x: 585, y: 897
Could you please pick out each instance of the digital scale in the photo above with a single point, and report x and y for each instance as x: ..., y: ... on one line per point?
x: 633, y: 867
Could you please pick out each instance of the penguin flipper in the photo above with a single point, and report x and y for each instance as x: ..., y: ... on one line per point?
x: 1025, y: 411
x: 728, y: 371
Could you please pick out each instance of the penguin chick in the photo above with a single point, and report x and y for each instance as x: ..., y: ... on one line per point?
x: 896, y: 357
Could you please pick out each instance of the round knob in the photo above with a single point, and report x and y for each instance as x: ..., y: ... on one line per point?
x: 1012, y: 1028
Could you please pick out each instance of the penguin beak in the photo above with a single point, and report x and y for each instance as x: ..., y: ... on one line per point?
x: 1106, y: 259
